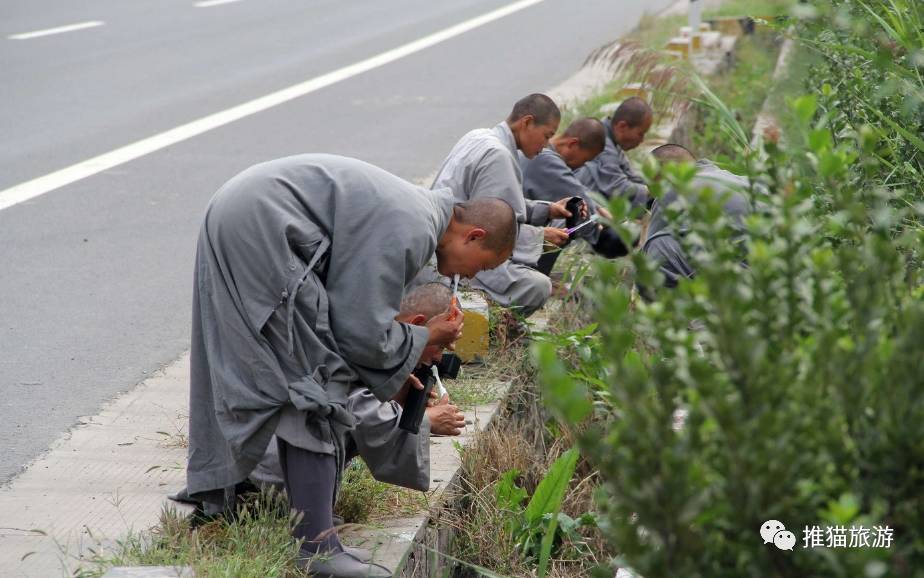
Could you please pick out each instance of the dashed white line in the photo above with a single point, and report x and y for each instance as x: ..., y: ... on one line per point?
x: 57, y: 30
x: 209, y: 3
x: 41, y: 185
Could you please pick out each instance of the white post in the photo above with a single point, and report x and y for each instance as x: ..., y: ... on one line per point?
x: 693, y: 20
x: 696, y: 12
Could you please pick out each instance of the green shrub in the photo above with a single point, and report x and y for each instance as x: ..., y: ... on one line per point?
x: 796, y: 379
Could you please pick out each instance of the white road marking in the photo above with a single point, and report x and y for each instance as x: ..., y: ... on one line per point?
x: 58, y: 30
x: 41, y: 185
x: 208, y: 3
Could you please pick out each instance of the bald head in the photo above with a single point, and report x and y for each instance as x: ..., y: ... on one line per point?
x: 497, y: 219
x: 634, y: 111
x: 542, y: 108
x: 428, y: 300
x: 673, y: 153
x: 589, y: 132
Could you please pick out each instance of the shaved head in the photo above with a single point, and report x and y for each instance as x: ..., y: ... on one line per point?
x: 495, y: 216
x: 428, y: 300
x: 673, y: 153
x: 634, y: 111
x: 590, y: 132
x: 542, y: 108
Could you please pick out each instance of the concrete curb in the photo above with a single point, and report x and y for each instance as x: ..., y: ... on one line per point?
x: 766, y: 120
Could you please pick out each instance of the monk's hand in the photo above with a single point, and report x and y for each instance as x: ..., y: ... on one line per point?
x: 414, y: 382
x: 432, y: 398
x: 559, y: 209
x: 555, y: 236
x: 445, y: 331
x: 445, y: 420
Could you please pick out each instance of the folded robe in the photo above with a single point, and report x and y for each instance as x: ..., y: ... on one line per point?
x: 394, y: 456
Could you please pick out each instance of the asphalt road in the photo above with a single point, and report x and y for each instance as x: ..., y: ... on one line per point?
x: 95, y: 276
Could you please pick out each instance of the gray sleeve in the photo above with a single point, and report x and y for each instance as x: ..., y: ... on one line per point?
x: 529, y: 245
x: 537, y: 213
x: 393, y: 455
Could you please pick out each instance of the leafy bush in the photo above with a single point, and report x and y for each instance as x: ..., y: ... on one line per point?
x: 786, y: 390
x: 869, y: 78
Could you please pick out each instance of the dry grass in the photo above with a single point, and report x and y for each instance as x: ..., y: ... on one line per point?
x: 526, y: 441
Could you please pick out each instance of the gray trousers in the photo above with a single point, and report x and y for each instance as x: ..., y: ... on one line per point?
x: 310, y: 479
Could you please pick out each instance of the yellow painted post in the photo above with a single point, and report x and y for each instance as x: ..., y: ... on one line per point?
x: 476, y: 334
x: 679, y: 45
x: 632, y: 89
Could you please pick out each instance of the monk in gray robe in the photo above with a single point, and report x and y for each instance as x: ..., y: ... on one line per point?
x: 300, y: 271
x: 662, y: 243
x: 611, y: 173
x: 484, y: 164
x: 394, y: 456
x: 550, y: 177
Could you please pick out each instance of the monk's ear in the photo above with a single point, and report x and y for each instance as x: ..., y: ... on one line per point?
x: 475, y: 234
x: 419, y: 319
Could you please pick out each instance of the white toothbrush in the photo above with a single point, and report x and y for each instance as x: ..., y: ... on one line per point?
x: 439, y: 382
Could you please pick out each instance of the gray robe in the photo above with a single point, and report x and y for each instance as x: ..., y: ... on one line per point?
x: 394, y: 456
x: 610, y: 173
x: 662, y: 243
x: 300, y: 271
x: 483, y: 164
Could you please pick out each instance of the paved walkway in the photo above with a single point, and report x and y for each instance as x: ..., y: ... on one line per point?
x: 107, y: 477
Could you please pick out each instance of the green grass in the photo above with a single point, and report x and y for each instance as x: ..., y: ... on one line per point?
x: 363, y: 499
x: 480, y: 384
x: 743, y: 90
x: 257, y: 544
x: 755, y: 8
x: 790, y: 85
x: 654, y: 32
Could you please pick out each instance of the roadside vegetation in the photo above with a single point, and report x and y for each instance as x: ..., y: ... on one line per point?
x: 787, y: 390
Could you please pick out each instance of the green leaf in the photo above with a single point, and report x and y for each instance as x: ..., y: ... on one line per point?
x: 910, y: 136
x: 551, y: 490
x: 567, y: 397
x: 545, y: 550
x: 805, y: 107
x: 509, y: 496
